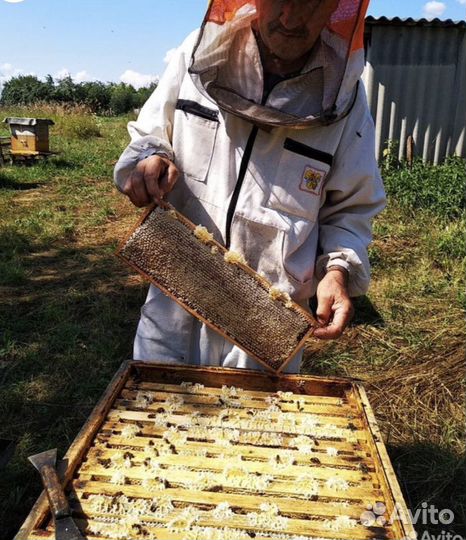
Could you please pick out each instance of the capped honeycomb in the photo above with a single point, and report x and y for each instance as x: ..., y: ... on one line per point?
x: 228, y: 296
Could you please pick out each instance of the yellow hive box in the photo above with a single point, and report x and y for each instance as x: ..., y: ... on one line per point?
x: 29, y: 136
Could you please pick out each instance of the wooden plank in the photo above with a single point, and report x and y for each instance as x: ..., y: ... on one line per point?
x: 309, y: 527
x: 82, y: 487
x: 186, y: 478
x: 150, y: 430
x: 330, y: 427
x: 221, y: 462
x: 248, y: 379
x: 130, y: 399
x: 386, y: 474
x: 319, y: 457
x: 259, y: 395
x: 327, y: 508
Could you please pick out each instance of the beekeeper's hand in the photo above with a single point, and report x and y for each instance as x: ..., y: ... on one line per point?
x: 334, y: 306
x: 150, y: 181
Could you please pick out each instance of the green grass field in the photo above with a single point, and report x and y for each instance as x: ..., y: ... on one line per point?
x: 69, y: 309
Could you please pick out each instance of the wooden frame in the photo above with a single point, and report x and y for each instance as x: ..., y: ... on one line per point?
x: 265, y: 283
x: 334, y: 389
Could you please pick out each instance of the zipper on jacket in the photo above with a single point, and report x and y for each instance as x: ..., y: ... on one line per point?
x: 192, y: 107
x: 242, y: 173
x: 243, y: 168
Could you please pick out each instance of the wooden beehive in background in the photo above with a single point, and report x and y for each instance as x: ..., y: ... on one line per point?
x: 29, y: 136
x: 179, y: 453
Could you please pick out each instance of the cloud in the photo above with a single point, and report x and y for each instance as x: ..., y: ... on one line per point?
x: 169, y: 55
x: 462, y: 2
x: 138, y: 80
x: 7, y: 71
x: 434, y: 9
x: 79, y: 77
x: 63, y: 73
x: 83, y: 76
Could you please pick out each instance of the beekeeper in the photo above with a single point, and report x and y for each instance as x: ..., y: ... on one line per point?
x: 260, y: 130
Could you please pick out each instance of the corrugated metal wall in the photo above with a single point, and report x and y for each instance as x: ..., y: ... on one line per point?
x: 415, y: 78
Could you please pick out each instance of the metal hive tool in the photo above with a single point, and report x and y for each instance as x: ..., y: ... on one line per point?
x: 230, y: 298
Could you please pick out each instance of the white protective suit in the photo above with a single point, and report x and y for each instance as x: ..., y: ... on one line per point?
x: 290, y: 181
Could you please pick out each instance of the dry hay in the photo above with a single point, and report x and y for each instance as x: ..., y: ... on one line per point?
x: 420, y: 401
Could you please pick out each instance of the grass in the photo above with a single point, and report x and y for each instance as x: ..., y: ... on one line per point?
x: 69, y: 310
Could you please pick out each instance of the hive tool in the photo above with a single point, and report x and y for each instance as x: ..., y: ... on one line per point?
x: 65, y: 527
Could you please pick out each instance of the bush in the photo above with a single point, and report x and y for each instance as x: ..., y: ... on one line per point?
x: 143, y: 94
x: 122, y: 98
x: 440, y: 188
x: 80, y: 126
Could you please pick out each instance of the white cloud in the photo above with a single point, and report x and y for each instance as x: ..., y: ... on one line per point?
x: 79, y: 77
x: 434, y: 9
x: 83, y: 76
x: 7, y: 71
x: 138, y: 80
x: 169, y: 55
x: 462, y: 2
x: 63, y: 73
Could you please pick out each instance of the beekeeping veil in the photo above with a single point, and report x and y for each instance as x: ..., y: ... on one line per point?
x: 225, y: 66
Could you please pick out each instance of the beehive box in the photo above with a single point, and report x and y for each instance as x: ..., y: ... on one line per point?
x: 179, y: 453
x: 188, y: 265
x: 29, y: 136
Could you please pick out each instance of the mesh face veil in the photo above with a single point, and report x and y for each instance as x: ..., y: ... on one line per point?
x: 226, y: 66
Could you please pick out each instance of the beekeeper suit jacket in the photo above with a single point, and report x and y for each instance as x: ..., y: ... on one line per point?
x: 288, y: 178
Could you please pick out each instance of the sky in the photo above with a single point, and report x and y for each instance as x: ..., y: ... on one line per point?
x: 128, y: 40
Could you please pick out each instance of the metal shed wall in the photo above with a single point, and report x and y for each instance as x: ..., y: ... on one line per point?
x: 415, y: 78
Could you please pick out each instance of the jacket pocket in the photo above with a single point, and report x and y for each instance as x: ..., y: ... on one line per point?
x: 194, y: 133
x: 299, y: 180
x: 281, y: 246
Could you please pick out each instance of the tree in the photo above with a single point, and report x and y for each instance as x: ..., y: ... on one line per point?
x: 96, y: 95
x: 23, y: 90
x: 123, y: 98
x: 66, y: 91
x: 143, y: 94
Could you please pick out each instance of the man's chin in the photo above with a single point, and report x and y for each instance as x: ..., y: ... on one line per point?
x: 284, y: 50
x: 287, y: 55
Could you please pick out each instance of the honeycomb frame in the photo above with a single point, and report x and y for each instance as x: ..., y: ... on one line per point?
x: 229, y: 297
